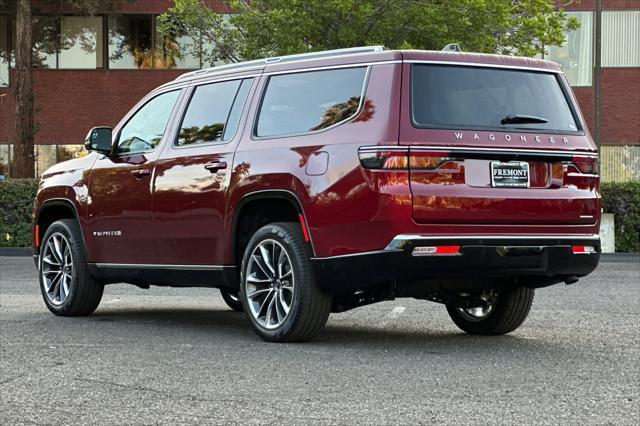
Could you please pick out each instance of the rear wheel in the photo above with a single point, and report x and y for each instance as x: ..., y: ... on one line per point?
x: 232, y: 299
x: 501, y: 312
x: 66, y: 285
x: 278, y: 289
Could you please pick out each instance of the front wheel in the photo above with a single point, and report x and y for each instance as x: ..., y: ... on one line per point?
x: 66, y: 285
x: 278, y: 290
x: 501, y: 312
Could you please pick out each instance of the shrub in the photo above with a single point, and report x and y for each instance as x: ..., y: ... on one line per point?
x: 623, y: 200
x: 16, y: 204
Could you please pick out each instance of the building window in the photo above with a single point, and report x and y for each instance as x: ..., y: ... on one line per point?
x: 81, y: 42
x: 5, y: 51
x: 68, y: 42
x: 130, y: 41
x: 177, y: 51
x: 621, y: 38
x: 46, y: 42
x: 576, y: 54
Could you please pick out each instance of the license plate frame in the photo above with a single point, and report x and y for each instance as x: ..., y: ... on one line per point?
x: 521, y: 178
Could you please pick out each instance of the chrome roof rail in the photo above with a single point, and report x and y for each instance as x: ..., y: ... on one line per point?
x: 281, y: 59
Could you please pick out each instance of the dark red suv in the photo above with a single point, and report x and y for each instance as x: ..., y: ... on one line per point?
x: 318, y: 183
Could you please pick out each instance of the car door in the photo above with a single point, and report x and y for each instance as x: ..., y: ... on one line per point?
x: 193, y: 173
x: 119, y: 202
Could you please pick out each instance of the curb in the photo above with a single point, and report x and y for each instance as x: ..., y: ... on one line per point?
x: 620, y: 257
x: 15, y: 251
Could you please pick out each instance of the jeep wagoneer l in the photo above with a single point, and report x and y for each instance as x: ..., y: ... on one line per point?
x: 317, y: 183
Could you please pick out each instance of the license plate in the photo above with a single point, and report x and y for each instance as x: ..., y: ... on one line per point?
x: 513, y: 174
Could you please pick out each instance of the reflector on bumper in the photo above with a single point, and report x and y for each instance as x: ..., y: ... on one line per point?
x: 436, y: 251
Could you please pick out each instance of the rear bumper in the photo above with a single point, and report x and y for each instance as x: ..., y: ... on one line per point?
x: 537, y: 261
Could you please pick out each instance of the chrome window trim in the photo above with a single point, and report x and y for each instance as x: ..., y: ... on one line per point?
x: 497, y: 150
x: 483, y: 65
x: 363, y: 92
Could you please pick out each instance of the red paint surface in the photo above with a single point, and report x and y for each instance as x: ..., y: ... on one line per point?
x: 183, y: 214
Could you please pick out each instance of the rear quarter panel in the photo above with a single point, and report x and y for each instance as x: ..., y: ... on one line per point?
x: 342, y: 204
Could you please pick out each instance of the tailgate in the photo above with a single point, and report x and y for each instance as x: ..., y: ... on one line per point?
x: 496, y: 146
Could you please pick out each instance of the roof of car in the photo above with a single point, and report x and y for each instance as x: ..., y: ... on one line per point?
x: 366, y: 55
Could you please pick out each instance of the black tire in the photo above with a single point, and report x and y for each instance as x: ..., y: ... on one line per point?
x: 232, y: 299
x: 309, y: 305
x: 510, y: 309
x: 84, y: 292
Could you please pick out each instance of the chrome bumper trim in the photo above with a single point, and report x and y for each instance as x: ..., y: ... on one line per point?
x: 399, y: 241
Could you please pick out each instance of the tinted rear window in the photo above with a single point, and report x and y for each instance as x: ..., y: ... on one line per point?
x: 479, y: 98
x: 304, y: 102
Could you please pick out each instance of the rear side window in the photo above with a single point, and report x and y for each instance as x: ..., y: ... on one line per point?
x: 482, y: 98
x: 213, y: 112
x: 309, y: 101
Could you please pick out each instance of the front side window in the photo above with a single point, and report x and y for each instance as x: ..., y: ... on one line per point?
x: 309, y: 101
x: 209, y: 116
x: 456, y: 97
x: 144, y: 131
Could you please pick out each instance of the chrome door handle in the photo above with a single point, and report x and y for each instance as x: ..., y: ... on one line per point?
x: 140, y: 173
x: 214, y: 166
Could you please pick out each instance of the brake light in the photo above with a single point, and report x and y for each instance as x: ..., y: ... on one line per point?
x: 383, y: 159
x: 586, y: 165
x: 436, y: 251
x: 427, y: 160
x: 400, y: 158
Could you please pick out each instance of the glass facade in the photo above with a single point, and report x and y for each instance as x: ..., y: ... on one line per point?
x: 621, y: 38
x: 576, y: 54
x: 5, y: 51
x: 81, y: 42
x: 45, y: 42
x: 130, y: 41
x: 177, y: 51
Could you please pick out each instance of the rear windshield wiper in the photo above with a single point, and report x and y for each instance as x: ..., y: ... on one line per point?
x: 522, y: 119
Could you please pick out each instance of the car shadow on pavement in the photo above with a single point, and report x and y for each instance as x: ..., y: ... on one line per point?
x: 206, y: 325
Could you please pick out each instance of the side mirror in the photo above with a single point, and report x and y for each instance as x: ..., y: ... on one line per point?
x: 99, y: 139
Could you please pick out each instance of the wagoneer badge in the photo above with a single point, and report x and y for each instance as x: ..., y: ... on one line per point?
x: 523, y: 138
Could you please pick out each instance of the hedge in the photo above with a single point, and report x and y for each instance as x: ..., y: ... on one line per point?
x: 16, y: 204
x: 16, y: 201
x: 623, y: 200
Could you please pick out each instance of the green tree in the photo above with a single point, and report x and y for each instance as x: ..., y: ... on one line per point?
x: 277, y: 27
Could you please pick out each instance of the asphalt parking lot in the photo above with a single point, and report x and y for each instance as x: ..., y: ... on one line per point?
x: 181, y: 356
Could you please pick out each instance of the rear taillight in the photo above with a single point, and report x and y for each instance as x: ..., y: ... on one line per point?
x: 585, y: 165
x: 384, y: 158
x: 427, y: 160
x: 401, y: 158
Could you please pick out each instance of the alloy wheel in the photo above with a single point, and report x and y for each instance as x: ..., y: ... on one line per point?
x: 269, y: 284
x: 57, y: 268
x: 481, y: 312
